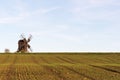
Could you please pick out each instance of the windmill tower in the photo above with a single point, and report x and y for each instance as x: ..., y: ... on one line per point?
x: 23, y: 45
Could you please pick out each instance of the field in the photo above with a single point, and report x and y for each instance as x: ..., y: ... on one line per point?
x: 64, y: 66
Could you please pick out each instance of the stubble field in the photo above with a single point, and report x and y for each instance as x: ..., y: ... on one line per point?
x: 64, y: 66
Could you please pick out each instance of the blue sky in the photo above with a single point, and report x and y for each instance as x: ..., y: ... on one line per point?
x: 61, y: 25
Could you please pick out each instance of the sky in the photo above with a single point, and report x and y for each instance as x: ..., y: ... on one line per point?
x: 61, y: 25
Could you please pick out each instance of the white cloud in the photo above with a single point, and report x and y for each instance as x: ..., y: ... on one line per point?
x: 21, y: 11
x: 22, y: 15
x: 44, y: 11
x: 100, y: 2
x: 93, y: 2
x: 94, y: 10
x: 10, y: 19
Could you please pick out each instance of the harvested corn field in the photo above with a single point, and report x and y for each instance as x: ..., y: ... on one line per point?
x: 64, y: 66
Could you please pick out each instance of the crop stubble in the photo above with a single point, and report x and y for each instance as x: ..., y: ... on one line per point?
x: 59, y: 67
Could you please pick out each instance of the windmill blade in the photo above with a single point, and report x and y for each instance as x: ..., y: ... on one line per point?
x: 22, y: 36
x: 29, y: 47
x: 30, y: 37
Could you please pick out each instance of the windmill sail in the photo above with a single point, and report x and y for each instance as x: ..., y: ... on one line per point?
x: 23, y: 45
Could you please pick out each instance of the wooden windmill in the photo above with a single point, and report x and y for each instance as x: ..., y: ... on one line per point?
x: 23, y: 45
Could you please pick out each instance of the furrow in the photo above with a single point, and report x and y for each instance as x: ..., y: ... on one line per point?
x: 71, y: 60
x: 55, y: 72
x: 65, y: 60
x: 107, y: 69
x: 11, y: 70
x: 43, y: 59
x: 81, y: 74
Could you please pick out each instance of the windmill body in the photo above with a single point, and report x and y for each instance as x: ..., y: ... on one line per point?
x: 23, y: 45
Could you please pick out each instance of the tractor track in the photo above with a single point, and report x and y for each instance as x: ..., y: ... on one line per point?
x: 65, y: 60
x: 55, y: 72
x: 91, y: 78
x: 3, y: 72
x: 49, y: 69
x: 107, y: 69
x: 74, y: 61
x: 44, y: 60
x: 11, y: 69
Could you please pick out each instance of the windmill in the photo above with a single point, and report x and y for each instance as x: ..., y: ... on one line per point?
x: 23, y: 45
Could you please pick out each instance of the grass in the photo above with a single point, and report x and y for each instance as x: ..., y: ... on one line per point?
x: 65, y: 66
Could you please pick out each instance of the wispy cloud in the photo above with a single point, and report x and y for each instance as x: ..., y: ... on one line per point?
x: 93, y: 2
x: 23, y: 15
x: 22, y: 11
x: 11, y: 19
x: 93, y: 10
x: 100, y: 2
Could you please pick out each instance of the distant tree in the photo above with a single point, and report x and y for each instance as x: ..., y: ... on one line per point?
x: 7, y: 51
